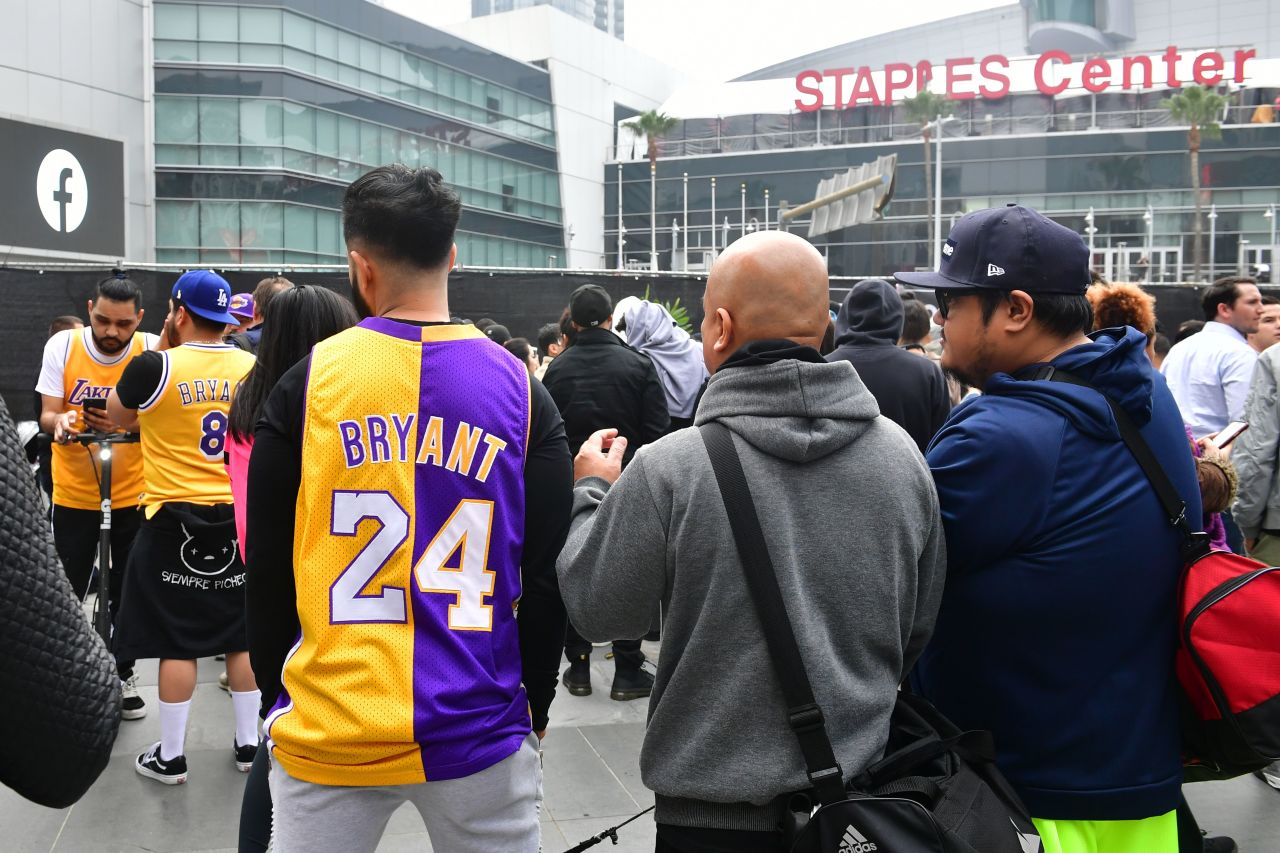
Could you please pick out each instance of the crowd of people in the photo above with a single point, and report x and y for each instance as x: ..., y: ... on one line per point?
x: 393, y: 522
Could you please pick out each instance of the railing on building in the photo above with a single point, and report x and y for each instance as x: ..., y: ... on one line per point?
x: 772, y: 132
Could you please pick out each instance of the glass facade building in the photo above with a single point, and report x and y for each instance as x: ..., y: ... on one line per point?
x: 263, y: 115
x: 606, y: 15
x: 1121, y: 175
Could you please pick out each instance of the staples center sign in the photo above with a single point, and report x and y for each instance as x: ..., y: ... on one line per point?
x: 995, y: 76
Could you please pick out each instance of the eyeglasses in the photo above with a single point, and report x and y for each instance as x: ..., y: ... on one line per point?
x: 945, y: 298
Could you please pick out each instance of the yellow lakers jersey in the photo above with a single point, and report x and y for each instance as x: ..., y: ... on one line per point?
x: 75, y: 467
x: 407, y: 548
x: 184, y: 425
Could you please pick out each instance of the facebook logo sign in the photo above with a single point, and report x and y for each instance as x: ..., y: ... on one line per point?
x: 61, y: 191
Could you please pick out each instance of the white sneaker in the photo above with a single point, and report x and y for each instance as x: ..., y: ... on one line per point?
x: 1270, y: 774
x: 132, y: 708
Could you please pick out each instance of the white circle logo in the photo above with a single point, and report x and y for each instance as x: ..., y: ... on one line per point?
x: 61, y: 191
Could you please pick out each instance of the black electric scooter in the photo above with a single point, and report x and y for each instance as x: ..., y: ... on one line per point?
x: 105, y: 442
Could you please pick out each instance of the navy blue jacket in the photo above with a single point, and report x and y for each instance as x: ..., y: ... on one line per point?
x: 1058, y: 624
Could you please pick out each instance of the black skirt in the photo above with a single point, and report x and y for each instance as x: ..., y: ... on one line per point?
x: 183, y: 587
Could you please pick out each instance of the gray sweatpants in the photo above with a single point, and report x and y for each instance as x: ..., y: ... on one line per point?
x: 495, y: 809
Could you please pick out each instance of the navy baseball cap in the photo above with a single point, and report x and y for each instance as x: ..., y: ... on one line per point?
x: 205, y: 294
x: 1008, y: 248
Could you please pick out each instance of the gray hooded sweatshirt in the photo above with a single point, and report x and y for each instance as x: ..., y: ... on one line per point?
x: 851, y: 518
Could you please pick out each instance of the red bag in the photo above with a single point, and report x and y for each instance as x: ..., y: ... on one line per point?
x: 1229, y: 665
x: 1228, y: 658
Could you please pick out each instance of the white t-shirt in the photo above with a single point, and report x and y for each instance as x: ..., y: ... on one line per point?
x: 55, y: 358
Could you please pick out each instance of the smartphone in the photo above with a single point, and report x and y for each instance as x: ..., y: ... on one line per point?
x: 99, y: 403
x: 1230, y: 433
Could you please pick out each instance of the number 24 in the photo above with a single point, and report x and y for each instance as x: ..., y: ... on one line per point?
x: 467, y: 531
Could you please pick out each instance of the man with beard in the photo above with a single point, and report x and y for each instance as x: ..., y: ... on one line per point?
x: 80, y: 364
x: 410, y: 482
x: 184, y: 588
x: 1055, y: 632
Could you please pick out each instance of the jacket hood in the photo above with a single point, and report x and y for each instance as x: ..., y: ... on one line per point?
x: 1115, y: 362
x: 793, y: 410
x: 678, y: 358
x: 871, y: 314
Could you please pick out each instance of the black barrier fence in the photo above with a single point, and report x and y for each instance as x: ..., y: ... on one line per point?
x: 521, y: 300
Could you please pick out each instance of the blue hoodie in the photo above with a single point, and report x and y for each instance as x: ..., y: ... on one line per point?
x: 1058, y: 625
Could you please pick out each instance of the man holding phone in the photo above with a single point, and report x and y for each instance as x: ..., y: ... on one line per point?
x: 80, y: 367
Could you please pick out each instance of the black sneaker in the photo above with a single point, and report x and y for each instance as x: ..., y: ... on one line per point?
x: 578, y: 676
x: 1221, y: 844
x: 132, y: 707
x: 631, y: 684
x: 244, y: 755
x: 171, y: 772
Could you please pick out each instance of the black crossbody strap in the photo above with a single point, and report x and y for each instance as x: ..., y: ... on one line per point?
x: 1175, y: 508
x: 803, y: 712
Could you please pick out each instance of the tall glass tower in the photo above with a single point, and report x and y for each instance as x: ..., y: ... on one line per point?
x: 604, y: 15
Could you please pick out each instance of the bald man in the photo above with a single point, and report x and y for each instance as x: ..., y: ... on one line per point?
x: 851, y: 519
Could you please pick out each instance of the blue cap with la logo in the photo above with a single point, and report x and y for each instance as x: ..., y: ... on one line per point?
x: 205, y: 294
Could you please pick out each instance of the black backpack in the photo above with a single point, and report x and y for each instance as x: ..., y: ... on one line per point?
x: 937, y: 789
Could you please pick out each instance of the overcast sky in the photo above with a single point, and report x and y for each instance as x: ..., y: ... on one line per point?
x: 715, y: 40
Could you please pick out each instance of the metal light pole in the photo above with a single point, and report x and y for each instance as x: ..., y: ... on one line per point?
x: 1150, y: 218
x: 653, y: 216
x: 1213, y: 236
x: 621, y: 229
x: 744, y: 210
x: 1090, y: 230
x: 937, y: 191
x: 713, y: 216
x: 684, y: 246
x: 766, y: 210
x: 1270, y: 216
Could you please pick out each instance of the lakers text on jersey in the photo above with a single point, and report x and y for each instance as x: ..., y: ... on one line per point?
x: 407, y: 546
x: 75, y: 475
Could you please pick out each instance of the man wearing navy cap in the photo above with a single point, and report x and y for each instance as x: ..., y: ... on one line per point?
x: 1055, y: 631
x: 184, y: 586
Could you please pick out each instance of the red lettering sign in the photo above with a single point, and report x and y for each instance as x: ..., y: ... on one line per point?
x: 954, y: 77
x: 1041, y: 83
x: 1053, y: 73
x: 1096, y: 75
x: 813, y: 91
x: 1207, y: 69
x: 991, y: 75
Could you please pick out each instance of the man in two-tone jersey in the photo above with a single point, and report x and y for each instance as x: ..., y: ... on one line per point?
x: 409, y: 487
x: 184, y: 588
x: 85, y: 364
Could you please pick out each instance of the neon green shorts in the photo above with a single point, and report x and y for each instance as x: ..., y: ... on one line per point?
x: 1150, y: 835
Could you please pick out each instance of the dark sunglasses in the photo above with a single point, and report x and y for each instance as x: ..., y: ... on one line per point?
x: 945, y: 298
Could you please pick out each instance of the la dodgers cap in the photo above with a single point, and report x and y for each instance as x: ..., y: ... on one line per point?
x: 1008, y: 248
x: 242, y: 306
x: 590, y: 305
x: 205, y: 294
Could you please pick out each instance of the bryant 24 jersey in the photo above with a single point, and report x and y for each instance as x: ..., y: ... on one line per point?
x: 407, y: 546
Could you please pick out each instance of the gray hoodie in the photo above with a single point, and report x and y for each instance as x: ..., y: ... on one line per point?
x: 851, y: 517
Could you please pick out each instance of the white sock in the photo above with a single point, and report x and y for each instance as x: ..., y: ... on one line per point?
x: 173, y: 728
x: 246, y: 707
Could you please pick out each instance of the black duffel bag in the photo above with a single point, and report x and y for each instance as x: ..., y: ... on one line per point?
x: 936, y: 790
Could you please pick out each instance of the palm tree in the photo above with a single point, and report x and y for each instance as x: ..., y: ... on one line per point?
x: 922, y: 108
x: 1199, y: 108
x: 653, y: 125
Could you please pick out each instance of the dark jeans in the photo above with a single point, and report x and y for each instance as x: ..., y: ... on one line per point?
x: 685, y: 839
x: 75, y: 537
x: 255, y: 807
x: 626, y: 653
